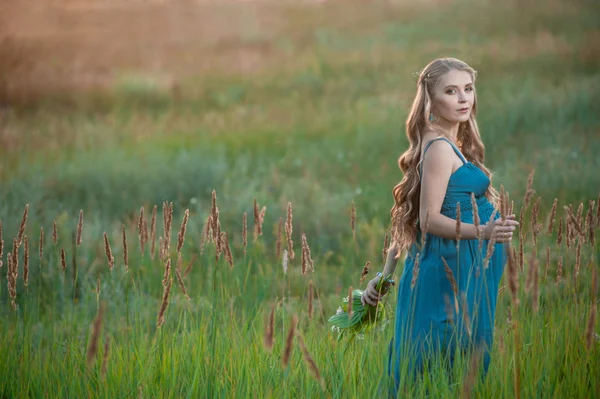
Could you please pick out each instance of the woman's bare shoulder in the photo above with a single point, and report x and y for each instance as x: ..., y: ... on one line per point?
x: 427, y: 137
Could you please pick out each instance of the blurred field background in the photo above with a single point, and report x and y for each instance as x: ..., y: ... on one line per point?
x: 109, y: 106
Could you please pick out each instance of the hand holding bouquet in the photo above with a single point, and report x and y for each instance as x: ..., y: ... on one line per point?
x: 367, y: 311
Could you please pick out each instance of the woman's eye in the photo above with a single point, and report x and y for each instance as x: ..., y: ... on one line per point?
x: 469, y: 89
x: 451, y: 91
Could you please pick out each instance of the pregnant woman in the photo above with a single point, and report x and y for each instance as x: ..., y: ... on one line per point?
x: 441, y: 312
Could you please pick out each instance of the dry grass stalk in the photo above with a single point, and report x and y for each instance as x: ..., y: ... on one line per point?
x: 513, y: 278
x: 364, y: 272
x: 218, y: 236
x: 26, y: 261
x: 167, y: 273
x: 353, y: 219
x: 269, y: 329
x: 15, y: 254
x: 350, y: 302
x: 105, y: 356
x: 54, y: 232
x: 532, y: 269
x: 287, y: 351
x: 98, y: 289
x: 559, y: 270
x: 153, y: 232
x: 261, y: 219
x: 214, y: 216
x: 448, y: 308
x: 22, y: 225
x: 589, y: 335
x: 168, y: 208
x: 501, y: 343
x: 386, y: 245
x: 189, y: 266
x: 165, y: 302
x: 580, y: 214
x: 109, y: 255
x: 307, y: 261
x: 490, y: 251
x: 284, y: 261
x: 503, y: 203
x: 512, y: 207
x: 490, y: 220
x: 161, y: 248
x: 470, y: 380
x: 501, y: 290
x: 205, y: 237
x: 574, y: 221
x: 288, y: 231
x: 181, y: 234
x: 125, y: 253
x: 521, y: 250
x: 145, y: 229
x: 11, y: 277
x: 181, y: 285
x: 310, y: 362
x: 552, y: 217
x: 279, y: 238
x: 245, y: 232
x: 535, y: 226
x: 63, y: 259
x: 535, y: 282
x: 220, y: 244
x: 465, y: 313
x: 559, y: 238
x: 415, y: 275
x: 311, y: 293
x: 568, y: 232
x: 452, y: 281
x: 80, y: 227
x: 591, y: 238
x: 577, y: 260
x: 547, y: 264
x: 227, y: 250
x: 96, y: 327
x: 476, y: 220
x: 529, y: 192
x: 140, y: 227
x: 522, y: 216
x: 257, y: 229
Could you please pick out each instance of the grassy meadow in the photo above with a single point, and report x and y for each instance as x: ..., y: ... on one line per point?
x: 313, y: 117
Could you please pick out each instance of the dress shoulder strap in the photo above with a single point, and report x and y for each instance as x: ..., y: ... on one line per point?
x: 456, y: 150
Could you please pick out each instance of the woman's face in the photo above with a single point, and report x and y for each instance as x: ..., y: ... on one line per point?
x: 453, y: 97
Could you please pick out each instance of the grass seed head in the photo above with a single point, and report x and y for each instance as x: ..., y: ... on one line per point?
x: 108, y: 251
x: 54, y: 232
x: 96, y: 327
x: 23, y: 225
x: 287, y: 351
x: 165, y: 302
x: 80, y: 227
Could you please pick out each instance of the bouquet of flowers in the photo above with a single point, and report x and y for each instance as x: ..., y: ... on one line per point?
x: 363, y: 318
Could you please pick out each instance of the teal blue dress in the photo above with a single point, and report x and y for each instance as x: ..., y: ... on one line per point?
x: 429, y: 320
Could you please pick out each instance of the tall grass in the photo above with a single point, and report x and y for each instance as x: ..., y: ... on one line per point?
x: 163, y: 343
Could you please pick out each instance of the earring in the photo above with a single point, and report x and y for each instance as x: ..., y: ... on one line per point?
x: 432, y: 118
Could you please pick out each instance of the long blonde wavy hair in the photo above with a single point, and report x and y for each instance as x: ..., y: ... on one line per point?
x: 407, y: 193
